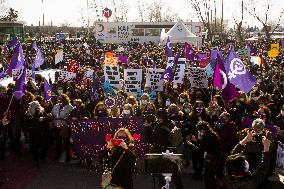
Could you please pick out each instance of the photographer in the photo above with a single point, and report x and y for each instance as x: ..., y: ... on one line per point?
x: 237, y: 174
x: 253, y: 149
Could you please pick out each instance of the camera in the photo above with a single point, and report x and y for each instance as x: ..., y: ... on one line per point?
x: 150, y: 118
x: 258, y: 138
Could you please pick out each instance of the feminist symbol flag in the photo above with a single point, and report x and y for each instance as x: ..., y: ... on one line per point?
x: 169, y: 48
x: 237, y: 73
x: 47, y: 90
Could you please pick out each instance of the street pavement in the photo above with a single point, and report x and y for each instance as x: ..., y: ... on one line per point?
x: 20, y: 172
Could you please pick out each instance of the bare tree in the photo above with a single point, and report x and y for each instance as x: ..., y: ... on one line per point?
x: 202, y: 9
x: 269, y: 26
x: 142, y: 10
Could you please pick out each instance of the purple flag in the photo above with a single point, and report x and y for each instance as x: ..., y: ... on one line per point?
x: 168, y: 74
x: 200, y: 56
x: 34, y: 45
x: 169, y: 48
x: 17, y: 60
x: 39, y: 59
x: 237, y: 73
x: 189, y: 52
x: 12, y: 42
x: 229, y: 92
x: 253, y: 49
x: 2, y: 74
x: 47, y: 90
x: 217, y: 80
x: 19, y: 90
x: 123, y: 59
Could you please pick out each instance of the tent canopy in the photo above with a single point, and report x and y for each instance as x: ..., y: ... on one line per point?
x: 180, y: 34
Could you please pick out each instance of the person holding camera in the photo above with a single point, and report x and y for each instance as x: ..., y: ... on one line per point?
x: 238, y: 174
x: 122, y: 159
x: 253, y: 149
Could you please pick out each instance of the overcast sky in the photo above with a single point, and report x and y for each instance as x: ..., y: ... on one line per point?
x: 73, y: 11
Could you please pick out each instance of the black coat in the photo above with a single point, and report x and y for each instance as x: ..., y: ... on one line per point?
x: 251, y: 181
x: 122, y: 174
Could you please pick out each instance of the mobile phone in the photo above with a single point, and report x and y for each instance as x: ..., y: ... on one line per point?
x: 116, y: 142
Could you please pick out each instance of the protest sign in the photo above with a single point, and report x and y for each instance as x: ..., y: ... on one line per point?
x: 111, y: 61
x: 73, y: 66
x: 66, y: 76
x: 245, y: 52
x: 198, y: 77
x: 58, y: 57
x: 133, y: 80
x: 67, y: 57
x: 89, y: 74
x: 179, y: 69
x: 112, y: 75
x: 153, y: 79
x: 274, y: 50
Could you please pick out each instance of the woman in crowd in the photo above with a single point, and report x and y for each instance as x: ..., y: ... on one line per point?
x: 79, y: 111
x: 238, y: 174
x: 61, y: 112
x: 101, y: 110
x: 198, y: 114
x: 36, y: 118
x: 207, y: 143
x: 122, y: 159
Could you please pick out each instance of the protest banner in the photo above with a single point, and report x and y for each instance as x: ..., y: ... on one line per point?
x: 59, y: 57
x: 112, y: 75
x: 17, y: 72
x: 179, y: 69
x: 90, y: 136
x: 66, y: 76
x: 133, y: 80
x: 153, y: 79
x: 198, y: 77
x: 89, y: 74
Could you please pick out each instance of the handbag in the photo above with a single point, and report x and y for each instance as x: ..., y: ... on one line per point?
x: 107, y: 176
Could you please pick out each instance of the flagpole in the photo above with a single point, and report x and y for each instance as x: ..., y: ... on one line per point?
x: 10, y: 103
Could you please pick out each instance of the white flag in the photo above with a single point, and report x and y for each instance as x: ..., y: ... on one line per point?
x: 59, y: 57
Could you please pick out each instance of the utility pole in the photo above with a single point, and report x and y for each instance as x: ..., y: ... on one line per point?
x: 88, y: 35
x: 222, y: 17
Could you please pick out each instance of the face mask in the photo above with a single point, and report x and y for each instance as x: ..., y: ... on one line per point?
x: 259, y: 80
x: 246, y: 166
x: 100, y: 111
x: 199, y: 110
x: 126, y: 112
x: 242, y: 99
x: 186, y: 110
x: 168, y: 103
x: 60, y: 91
x: 144, y: 102
x: 181, y: 100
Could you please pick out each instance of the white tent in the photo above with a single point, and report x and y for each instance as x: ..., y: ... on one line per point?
x: 180, y: 34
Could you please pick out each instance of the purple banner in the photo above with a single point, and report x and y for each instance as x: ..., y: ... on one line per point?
x: 90, y: 136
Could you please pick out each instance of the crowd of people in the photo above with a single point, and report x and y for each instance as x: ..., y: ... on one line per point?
x: 209, y: 132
